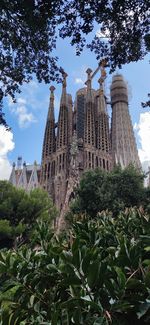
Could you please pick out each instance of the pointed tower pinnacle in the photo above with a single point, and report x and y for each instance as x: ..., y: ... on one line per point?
x: 12, y: 178
x: 64, y: 86
x: 102, y: 101
x: 62, y: 131
x: 89, y: 85
x: 89, y: 127
x: 22, y: 182
x: 51, y: 106
x: 49, y: 137
x: 103, y: 136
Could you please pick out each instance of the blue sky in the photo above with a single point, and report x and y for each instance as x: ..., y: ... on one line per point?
x: 27, y: 118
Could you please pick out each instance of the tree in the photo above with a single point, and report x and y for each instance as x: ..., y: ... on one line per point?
x: 147, y: 103
x: 100, y: 275
x: 99, y: 190
x: 19, y: 210
x: 30, y: 30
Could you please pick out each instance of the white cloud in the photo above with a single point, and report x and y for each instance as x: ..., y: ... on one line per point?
x: 145, y: 165
x: 32, y: 104
x: 101, y: 34
x: 79, y: 81
x: 80, y: 75
x: 33, y: 94
x: 20, y: 109
x: 6, y: 145
x: 143, y: 131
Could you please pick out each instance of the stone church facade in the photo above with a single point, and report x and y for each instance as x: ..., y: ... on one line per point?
x: 83, y: 138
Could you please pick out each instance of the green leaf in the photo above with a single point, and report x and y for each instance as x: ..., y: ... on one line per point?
x: 86, y: 262
x: 121, y: 306
x: 75, y: 245
x: 100, y: 321
x: 66, y: 256
x: 147, y: 279
x: 3, y: 267
x: 93, y: 273
x: 147, y: 249
x: 77, y: 316
x: 76, y: 258
x: 32, y: 300
x: 146, y: 262
x: 121, y: 277
x: 52, y: 267
x: 86, y: 298
x: 136, y: 285
x: 37, y: 307
x: 55, y: 316
x: 144, y: 308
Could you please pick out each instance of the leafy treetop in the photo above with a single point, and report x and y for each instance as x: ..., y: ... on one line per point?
x: 30, y: 30
x: 20, y: 210
x: 115, y: 191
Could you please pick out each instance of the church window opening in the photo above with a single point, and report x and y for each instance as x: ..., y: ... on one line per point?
x: 103, y: 163
x: 96, y: 161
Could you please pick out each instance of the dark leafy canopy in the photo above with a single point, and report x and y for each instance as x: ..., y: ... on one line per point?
x: 99, y: 190
x: 19, y: 210
x: 17, y: 205
x: 29, y: 30
x: 147, y: 104
x: 101, y: 277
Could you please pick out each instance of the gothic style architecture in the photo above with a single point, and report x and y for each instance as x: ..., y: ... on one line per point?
x: 83, y: 139
x: 124, y: 150
x: 25, y: 176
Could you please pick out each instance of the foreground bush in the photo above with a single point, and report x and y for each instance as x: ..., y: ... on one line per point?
x: 99, y: 274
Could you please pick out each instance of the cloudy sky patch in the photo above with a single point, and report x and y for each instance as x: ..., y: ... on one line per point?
x: 143, y: 131
x: 6, y: 145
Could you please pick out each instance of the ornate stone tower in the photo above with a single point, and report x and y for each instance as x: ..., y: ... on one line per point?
x: 55, y: 156
x: 103, y: 158
x: 64, y: 134
x: 124, y: 150
x: 83, y: 140
x: 89, y: 125
x: 49, y: 149
x: 92, y: 125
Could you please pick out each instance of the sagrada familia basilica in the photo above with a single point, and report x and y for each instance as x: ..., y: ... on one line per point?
x: 82, y: 138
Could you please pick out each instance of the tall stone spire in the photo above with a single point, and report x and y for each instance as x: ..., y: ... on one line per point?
x: 89, y: 86
x: 49, y: 137
x: 103, y: 136
x: 70, y: 117
x: 124, y: 148
x: 12, y: 178
x: 62, y: 132
x: 89, y: 129
x: 22, y: 182
x: 64, y: 86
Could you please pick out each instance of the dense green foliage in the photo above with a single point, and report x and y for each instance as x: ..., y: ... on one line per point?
x: 19, y: 210
x: 30, y: 30
x: 97, y: 275
x: 100, y: 190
